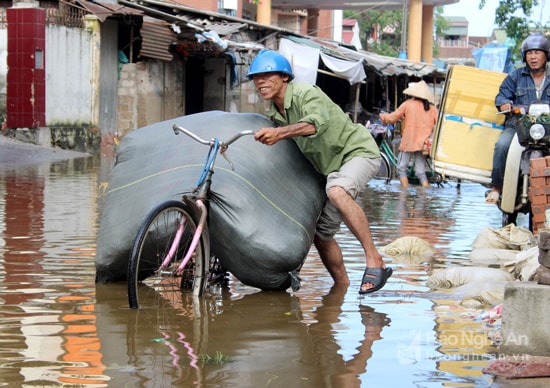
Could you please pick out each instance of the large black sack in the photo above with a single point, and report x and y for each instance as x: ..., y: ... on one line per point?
x: 263, y: 219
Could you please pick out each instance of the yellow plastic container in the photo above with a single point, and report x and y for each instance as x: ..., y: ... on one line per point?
x: 468, y: 124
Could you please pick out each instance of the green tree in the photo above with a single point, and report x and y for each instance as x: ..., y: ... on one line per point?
x: 385, y: 25
x: 514, y: 17
x: 387, y: 28
x: 441, y: 25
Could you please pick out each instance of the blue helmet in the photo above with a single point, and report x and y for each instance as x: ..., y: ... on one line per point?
x: 535, y: 42
x: 268, y: 61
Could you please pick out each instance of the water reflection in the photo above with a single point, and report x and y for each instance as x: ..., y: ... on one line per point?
x: 257, y: 339
x: 57, y: 327
x: 341, y: 369
x: 44, y: 309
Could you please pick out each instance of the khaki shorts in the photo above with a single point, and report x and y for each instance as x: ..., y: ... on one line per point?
x: 353, y: 177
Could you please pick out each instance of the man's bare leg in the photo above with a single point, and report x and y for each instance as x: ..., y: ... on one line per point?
x: 356, y: 220
x: 332, y: 258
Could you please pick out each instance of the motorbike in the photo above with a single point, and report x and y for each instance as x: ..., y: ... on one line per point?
x: 531, y: 141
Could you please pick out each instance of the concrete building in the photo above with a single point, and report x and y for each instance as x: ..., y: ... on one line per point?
x: 455, y: 42
x: 457, y: 46
x: 420, y: 15
x: 106, y: 68
x: 351, y: 33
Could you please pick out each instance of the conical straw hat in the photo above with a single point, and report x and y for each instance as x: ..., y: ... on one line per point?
x: 420, y: 90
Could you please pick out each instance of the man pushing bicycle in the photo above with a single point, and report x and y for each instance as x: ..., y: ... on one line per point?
x: 344, y: 152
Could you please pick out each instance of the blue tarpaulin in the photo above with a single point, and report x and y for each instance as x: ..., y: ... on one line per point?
x: 495, y: 57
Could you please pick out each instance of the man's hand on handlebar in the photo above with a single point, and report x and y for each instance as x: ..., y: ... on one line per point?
x: 267, y: 136
x: 505, y: 108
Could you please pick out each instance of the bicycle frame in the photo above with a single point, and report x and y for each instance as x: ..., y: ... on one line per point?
x: 171, y: 250
x: 194, y: 242
x: 201, y: 191
x: 386, y: 148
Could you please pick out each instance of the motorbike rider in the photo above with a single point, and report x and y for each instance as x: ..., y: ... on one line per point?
x: 523, y: 86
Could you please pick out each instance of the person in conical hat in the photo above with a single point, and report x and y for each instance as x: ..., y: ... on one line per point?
x: 419, y: 116
x: 420, y: 90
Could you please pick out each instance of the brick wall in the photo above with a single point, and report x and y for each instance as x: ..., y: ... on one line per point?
x: 539, y: 191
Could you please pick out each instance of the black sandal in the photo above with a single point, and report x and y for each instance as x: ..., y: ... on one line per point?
x: 376, y: 276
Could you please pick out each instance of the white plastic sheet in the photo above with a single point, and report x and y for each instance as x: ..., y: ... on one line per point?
x: 354, y: 72
x: 303, y: 59
x: 305, y: 62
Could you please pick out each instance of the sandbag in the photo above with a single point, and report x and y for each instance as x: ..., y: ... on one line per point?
x: 262, y: 220
x: 476, y: 295
x: 493, y: 256
x: 409, y: 250
x: 476, y: 285
x: 526, y: 268
x: 458, y: 276
x: 507, y: 237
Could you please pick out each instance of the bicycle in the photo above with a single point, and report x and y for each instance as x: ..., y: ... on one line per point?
x: 382, y: 134
x: 171, y: 251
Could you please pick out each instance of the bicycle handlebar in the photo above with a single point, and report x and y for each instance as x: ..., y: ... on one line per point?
x: 177, y: 129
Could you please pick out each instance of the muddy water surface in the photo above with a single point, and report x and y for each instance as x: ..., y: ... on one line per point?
x: 58, y: 328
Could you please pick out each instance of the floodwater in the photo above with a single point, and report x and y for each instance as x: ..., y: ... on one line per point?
x: 58, y: 328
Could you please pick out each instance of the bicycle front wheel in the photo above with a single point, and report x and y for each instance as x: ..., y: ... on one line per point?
x: 384, y: 172
x: 165, y: 236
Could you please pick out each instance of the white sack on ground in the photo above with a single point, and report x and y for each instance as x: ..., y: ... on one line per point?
x: 508, y: 237
x: 263, y: 219
x: 475, y: 294
x: 487, y: 256
x: 527, y: 264
x: 409, y: 250
x: 476, y: 286
x: 458, y: 276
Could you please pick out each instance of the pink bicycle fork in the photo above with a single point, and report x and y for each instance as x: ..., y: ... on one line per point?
x: 179, y: 233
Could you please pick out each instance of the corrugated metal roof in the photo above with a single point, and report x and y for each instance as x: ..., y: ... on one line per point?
x: 224, y: 25
x: 156, y: 37
x: 222, y: 28
x: 104, y: 10
x: 179, y: 14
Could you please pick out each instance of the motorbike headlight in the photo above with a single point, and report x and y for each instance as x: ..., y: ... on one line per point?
x: 539, y: 109
x: 536, y: 131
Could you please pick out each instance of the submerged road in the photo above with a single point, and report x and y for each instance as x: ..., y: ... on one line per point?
x: 15, y: 152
